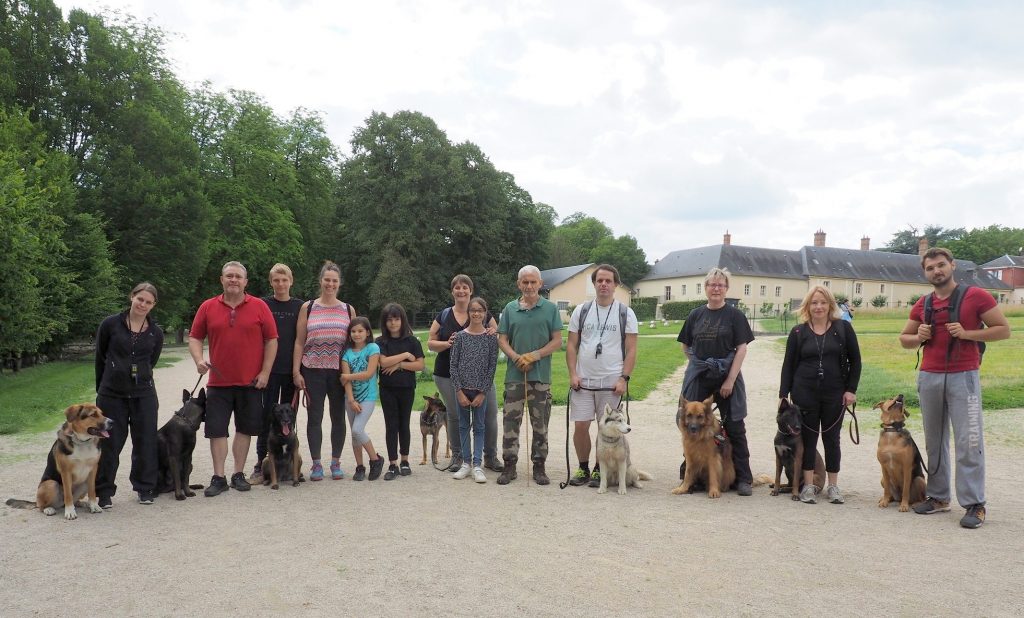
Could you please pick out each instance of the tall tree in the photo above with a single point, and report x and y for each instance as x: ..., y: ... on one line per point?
x: 985, y: 244
x: 625, y: 254
x: 906, y: 241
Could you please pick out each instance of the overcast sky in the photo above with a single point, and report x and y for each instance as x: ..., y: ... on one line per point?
x: 670, y: 121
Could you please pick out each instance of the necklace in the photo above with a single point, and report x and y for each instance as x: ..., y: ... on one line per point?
x: 600, y: 332
x: 819, y: 343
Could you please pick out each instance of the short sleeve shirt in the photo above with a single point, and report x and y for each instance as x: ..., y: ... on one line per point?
x: 529, y: 330
x: 715, y: 333
x: 601, y: 327
x: 390, y: 347
x: 236, y: 338
x: 447, y: 325
x: 286, y: 316
x: 964, y: 355
x: 358, y: 361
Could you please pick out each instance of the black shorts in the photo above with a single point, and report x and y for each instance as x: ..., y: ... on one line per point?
x: 245, y: 401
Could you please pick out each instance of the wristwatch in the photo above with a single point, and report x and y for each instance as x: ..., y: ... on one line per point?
x: 625, y: 377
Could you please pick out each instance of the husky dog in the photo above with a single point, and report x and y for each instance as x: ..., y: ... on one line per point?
x: 613, y: 452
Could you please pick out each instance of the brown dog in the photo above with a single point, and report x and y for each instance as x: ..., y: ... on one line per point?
x: 706, y: 448
x: 789, y: 451
x: 902, y: 465
x: 431, y: 422
x: 72, y: 463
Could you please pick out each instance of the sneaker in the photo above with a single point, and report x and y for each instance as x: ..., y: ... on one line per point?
x: 834, y: 495
x: 404, y: 469
x: 145, y: 497
x: 376, y: 467
x: 456, y: 464
x: 238, y: 482
x: 256, y: 478
x: 931, y: 506
x: 744, y: 488
x: 462, y: 473
x: 218, y: 485
x: 478, y: 475
x: 974, y: 517
x: 360, y: 474
x: 104, y: 502
x: 807, y: 494
x: 316, y: 473
x: 580, y: 477
x: 336, y: 472
x: 493, y: 463
x: 391, y: 473
x: 595, y: 479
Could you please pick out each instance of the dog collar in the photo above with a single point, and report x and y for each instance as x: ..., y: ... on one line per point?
x: 609, y: 440
x: 894, y: 427
x: 77, y: 440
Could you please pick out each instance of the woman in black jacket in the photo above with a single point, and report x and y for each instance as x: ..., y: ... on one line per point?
x: 128, y: 346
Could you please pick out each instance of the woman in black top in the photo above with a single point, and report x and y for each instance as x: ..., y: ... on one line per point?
x: 821, y: 372
x: 128, y: 346
x: 401, y: 356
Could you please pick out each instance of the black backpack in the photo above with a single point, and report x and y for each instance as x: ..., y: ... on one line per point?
x: 954, y: 316
x: 622, y: 324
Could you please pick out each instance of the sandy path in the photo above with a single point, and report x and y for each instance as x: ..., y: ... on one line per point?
x: 426, y: 544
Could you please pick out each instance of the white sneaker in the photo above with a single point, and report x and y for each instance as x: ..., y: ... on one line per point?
x: 834, y: 495
x: 462, y: 472
x: 807, y: 494
x: 478, y: 475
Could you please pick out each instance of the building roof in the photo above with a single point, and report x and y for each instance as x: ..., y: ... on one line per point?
x: 556, y: 276
x: 1007, y: 261
x: 809, y: 262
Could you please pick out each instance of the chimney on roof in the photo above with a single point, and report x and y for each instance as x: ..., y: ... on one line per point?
x: 922, y: 245
x: 727, y: 238
x: 819, y: 238
x: 865, y: 244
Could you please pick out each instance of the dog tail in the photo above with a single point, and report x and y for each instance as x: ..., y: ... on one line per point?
x: 762, y: 479
x: 196, y: 486
x: 643, y: 476
x: 14, y: 503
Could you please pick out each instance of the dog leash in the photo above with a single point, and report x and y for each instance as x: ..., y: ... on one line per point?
x: 852, y: 412
x: 192, y: 395
x: 568, y: 400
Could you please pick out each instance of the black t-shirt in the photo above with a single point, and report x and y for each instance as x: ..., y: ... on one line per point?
x: 450, y: 326
x: 286, y: 316
x: 714, y: 333
x: 390, y: 347
x: 837, y: 352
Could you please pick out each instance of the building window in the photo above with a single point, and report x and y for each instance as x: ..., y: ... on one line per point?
x: 668, y: 292
x: 881, y: 288
x: 778, y: 291
x: 828, y: 284
x: 857, y: 288
x: 764, y: 290
x: 698, y: 288
x: 746, y: 289
x: 563, y: 305
x: 684, y: 289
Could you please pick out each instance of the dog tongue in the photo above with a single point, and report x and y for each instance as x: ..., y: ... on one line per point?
x: 285, y: 429
x: 104, y: 434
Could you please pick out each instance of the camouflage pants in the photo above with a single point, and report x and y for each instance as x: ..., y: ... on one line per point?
x: 517, y: 396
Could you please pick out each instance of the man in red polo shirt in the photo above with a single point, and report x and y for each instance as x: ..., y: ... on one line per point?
x: 243, y: 344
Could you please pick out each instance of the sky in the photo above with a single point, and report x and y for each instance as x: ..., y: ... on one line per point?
x: 672, y: 121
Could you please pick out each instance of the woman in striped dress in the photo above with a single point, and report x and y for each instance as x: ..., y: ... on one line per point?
x: 320, y: 337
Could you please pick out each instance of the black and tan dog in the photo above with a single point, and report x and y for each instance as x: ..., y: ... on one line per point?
x: 283, y: 461
x: 432, y: 420
x: 72, y: 463
x: 176, y: 441
x: 706, y: 448
x: 789, y: 452
x: 902, y: 465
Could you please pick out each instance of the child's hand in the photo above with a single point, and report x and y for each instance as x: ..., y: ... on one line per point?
x: 345, y: 377
x: 354, y: 406
x: 463, y: 400
x: 478, y: 401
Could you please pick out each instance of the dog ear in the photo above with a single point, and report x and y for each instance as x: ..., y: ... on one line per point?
x: 185, y: 395
x: 709, y: 402
x: 202, y: 396
x: 878, y: 405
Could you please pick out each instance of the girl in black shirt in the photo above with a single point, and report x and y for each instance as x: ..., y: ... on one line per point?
x: 401, y: 357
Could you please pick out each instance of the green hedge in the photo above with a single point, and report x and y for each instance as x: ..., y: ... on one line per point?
x: 644, y: 307
x: 678, y: 310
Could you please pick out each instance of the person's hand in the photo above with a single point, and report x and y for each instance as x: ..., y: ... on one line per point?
x: 390, y: 370
x: 924, y: 332
x: 477, y: 401
x: 726, y: 388
x: 956, y: 329
x: 463, y: 400
x: 574, y: 382
x: 261, y: 380
x: 849, y: 398
x: 620, y: 386
x: 354, y: 406
x: 299, y: 381
x: 345, y: 377
x: 491, y: 330
x: 526, y: 361
x: 202, y: 367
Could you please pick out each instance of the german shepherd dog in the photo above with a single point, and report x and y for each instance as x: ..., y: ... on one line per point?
x: 72, y: 463
x: 706, y: 448
x: 902, y: 465
x: 176, y: 441
x: 613, y: 452
x: 283, y: 461
x: 432, y: 420
x: 789, y: 452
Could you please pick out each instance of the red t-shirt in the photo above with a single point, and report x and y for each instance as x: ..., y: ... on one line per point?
x: 236, y: 344
x: 964, y: 355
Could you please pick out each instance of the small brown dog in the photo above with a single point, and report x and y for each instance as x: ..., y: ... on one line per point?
x: 72, y: 464
x: 706, y: 448
x: 432, y: 420
x: 902, y: 465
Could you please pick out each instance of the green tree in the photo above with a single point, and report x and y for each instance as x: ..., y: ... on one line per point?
x: 625, y: 255
x: 982, y: 245
x: 575, y: 239
x: 906, y: 241
x: 395, y: 282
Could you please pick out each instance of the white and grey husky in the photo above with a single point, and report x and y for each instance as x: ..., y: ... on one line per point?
x: 613, y: 452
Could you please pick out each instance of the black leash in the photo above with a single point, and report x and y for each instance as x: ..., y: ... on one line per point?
x: 568, y: 474
x: 192, y: 395
x: 839, y: 420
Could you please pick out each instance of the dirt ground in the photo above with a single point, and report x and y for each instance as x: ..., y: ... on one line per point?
x: 427, y: 544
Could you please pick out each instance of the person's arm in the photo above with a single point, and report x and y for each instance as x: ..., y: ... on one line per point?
x: 269, y: 354
x: 571, y: 350
x: 853, y: 356
x: 434, y: 341
x: 506, y: 347
x: 346, y: 371
x: 628, y: 364
x: 415, y: 362
x: 734, y: 370
x: 914, y: 333
x: 371, y: 369
x: 300, y: 345
x: 996, y: 328
x: 789, y: 363
x: 158, y: 346
x: 195, y: 350
x: 102, y: 343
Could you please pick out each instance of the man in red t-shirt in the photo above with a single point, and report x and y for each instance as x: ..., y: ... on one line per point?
x: 243, y: 344
x: 949, y: 387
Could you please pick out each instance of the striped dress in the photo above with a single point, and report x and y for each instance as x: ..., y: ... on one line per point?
x: 326, y: 333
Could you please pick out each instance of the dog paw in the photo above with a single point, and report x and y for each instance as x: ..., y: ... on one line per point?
x: 70, y: 513
x: 94, y: 507
x: 904, y: 507
x: 602, y: 490
x: 180, y: 496
x: 883, y: 503
x: 189, y: 494
x: 714, y: 493
x: 50, y: 510
x: 274, y: 486
x: 622, y: 492
x: 775, y: 491
x: 295, y: 483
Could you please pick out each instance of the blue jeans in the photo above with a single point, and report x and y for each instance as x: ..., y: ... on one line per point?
x: 478, y: 413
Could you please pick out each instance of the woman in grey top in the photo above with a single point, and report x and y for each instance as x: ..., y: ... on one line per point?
x: 473, y: 362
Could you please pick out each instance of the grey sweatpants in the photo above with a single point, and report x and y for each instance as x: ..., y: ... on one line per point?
x: 447, y: 390
x: 953, y: 400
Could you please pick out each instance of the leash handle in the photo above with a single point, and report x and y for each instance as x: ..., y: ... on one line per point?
x: 853, y: 412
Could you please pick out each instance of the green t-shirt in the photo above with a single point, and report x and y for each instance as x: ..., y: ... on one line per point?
x: 528, y: 330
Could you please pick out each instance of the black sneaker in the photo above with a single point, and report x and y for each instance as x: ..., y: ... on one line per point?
x: 218, y: 485
x: 493, y: 463
x: 239, y: 483
x: 404, y: 469
x: 104, y: 502
x: 376, y: 467
x: 931, y: 506
x: 456, y: 464
x: 974, y: 517
x: 579, y: 478
x: 391, y: 473
x: 360, y: 474
x: 744, y: 488
x: 146, y: 497
x: 595, y: 479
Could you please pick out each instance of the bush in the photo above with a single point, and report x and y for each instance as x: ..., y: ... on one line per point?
x: 879, y: 301
x: 678, y: 310
x: 767, y: 309
x: 914, y: 299
x: 842, y: 298
x: 857, y: 302
x: 425, y: 375
x: 644, y: 307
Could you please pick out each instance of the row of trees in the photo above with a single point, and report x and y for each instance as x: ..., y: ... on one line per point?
x: 112, y: 171
x: 979, y: 245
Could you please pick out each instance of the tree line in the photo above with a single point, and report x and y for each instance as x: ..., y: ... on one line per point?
x: 112, y: 171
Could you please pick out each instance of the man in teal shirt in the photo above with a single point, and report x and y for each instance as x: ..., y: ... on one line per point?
x: 529, y: 332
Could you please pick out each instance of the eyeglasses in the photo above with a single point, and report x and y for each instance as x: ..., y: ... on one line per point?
x: 716, y: 285
x: 477, y: 311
